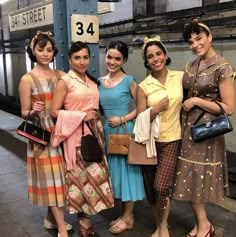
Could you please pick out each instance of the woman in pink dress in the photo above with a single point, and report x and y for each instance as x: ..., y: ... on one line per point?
x: 88, y: 183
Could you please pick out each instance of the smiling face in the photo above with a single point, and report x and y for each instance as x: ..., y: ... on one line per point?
x: 200, y: 44
x: 114, y: 60
x: 155, y: 58
x: 80, y: 60
x: 44, y: 55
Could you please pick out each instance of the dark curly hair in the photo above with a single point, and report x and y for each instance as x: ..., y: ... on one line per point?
x: 158, y: 44
x: 194, y: 27
x: 41, y: 40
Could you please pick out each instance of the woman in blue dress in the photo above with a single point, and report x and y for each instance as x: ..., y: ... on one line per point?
x: 117, y: 89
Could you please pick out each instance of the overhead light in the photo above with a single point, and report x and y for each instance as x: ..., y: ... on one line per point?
x: 3, y: 1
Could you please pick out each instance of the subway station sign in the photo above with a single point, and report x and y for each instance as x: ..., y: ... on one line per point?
x: 84, y: 28
x: 41, y: 14
x: 34, y: 16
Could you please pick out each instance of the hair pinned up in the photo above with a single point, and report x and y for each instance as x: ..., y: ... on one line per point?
x: 41, y: 38
x: 154, y: 41
x: 195, y: 27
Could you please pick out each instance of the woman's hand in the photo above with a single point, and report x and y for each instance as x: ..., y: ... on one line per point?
x: 91, y: 115
x: 163, y: 105
x: 189, y: 104
x: 114, y: 121
x: 38, y: 106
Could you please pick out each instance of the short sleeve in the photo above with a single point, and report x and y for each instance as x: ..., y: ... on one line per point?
x: 130, y: 79
x: 225, y: 72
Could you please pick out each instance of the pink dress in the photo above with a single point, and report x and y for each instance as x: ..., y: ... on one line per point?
x: 88, y: 183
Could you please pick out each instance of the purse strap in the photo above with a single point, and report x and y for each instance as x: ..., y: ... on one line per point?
x: 203, y: 112
x: 88, y: 127
x: 36, y: 117
x: 124, y: 125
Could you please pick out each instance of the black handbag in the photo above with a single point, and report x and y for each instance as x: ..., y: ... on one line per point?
x: 212, y: 127
x: 90, y: 148
x: 34, y: 132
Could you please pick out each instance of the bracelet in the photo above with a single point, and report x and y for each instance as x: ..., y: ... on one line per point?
x: 122, y: 119
x: 125, y: 119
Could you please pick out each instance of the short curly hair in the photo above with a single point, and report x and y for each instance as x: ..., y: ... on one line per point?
x: 41, y: 40
x: 195, y: 27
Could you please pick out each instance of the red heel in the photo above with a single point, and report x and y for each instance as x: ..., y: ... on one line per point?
x: 85, y: 232
x: 211, y: 232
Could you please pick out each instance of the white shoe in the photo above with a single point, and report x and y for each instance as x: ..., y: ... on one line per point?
x: 48, y: 225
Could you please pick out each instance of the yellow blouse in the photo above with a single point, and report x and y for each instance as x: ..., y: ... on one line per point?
x: 170, y: 128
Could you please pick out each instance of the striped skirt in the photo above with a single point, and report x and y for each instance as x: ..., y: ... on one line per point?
x: 45, y: 169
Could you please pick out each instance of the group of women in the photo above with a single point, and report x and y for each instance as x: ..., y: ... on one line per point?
x: 186, y: 170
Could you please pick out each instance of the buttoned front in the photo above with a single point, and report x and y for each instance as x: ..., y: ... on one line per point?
x: 170, y: 129
x: 83, y: 96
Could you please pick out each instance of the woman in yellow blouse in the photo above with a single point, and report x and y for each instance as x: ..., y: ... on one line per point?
x: 162, y: 91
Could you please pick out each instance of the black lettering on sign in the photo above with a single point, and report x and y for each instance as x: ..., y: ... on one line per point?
x: 80, y: 29
x: 35, y: 19
x: 24, y: 19
x: 90, y: 29
x: 13, y: 21
x: 44, y: 14
x: 31, y: 17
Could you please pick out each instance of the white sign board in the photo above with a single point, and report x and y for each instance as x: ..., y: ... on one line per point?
x: 84, y: 28
x: 30, y: 17
x: 41, y: 14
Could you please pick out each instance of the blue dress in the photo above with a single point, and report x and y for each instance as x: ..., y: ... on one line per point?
x: 127, y: 180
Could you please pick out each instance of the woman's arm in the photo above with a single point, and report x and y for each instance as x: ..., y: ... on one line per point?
x: 117, y: 121
x: 227, y: 94
x: 25, y: 93
x: 58, y: 99
x: 133, y: 91
x: 141, y: 100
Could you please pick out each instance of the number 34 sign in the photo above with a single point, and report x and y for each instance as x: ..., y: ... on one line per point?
x: 84, y: 28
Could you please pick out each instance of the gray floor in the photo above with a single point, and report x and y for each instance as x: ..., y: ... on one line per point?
x: 19, y: 219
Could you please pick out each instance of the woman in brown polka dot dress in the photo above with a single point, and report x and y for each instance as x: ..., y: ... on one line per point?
x: 201, y: 174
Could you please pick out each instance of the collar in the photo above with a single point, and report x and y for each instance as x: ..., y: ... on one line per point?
x: 75, y: 76
x: 151, y: 80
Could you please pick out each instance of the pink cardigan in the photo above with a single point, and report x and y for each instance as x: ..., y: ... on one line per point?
x: 68, y: 129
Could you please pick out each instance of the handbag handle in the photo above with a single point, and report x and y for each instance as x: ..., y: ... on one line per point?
x: 124, y: 125
x: 203, y: 112
x: 27, y: 119
x: 88, y: 127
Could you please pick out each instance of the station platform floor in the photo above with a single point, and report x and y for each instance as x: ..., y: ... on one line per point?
x: 19, y: 219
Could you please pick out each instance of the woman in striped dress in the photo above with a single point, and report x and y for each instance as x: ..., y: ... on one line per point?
x: 45, y: 164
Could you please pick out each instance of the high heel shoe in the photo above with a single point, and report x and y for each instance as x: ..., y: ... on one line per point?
x: 85, y: 232
x: 127, y: 225
x: 211, y: 232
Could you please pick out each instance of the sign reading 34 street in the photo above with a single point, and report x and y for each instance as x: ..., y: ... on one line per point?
x: 84, y: 28
x: 36, y: 15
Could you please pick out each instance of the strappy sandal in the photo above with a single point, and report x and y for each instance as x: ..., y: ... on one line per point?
x: 114, y: 221
x: 85, y: 232
x: 127, y: 225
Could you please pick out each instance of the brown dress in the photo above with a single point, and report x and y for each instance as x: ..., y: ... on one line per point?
x: 201, y: 174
